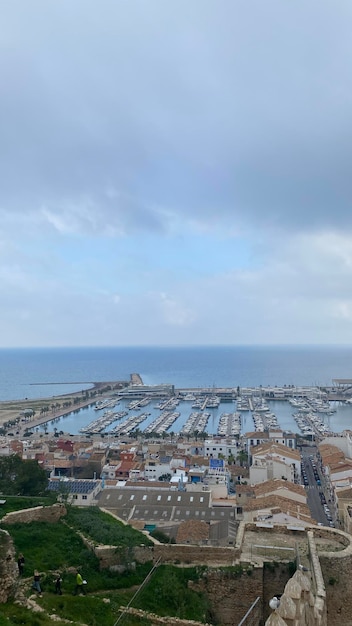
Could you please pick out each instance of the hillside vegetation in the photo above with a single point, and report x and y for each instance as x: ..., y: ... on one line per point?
x: 55, y: 548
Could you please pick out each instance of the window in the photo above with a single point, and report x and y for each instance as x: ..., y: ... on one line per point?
x: 201, y: 499
x: 191, y: 499
x: 178, y: 498
x: 168, y: 498
x: 84, y: 497
x: 132, y: 497
x: 159, y: 498
x: 144, y: 497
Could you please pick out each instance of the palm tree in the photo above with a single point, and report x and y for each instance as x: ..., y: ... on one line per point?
x: 242, y: 457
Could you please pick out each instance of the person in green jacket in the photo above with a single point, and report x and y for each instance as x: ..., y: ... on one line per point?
x: 79, y: 584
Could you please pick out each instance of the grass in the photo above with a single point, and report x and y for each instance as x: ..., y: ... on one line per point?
x: 14, y: 614
x: 105, y: 529
x: 57, y: 547
x: 16, y: 503
x: 167, y: 593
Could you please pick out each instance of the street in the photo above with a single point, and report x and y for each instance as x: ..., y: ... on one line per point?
x: 316, y: 497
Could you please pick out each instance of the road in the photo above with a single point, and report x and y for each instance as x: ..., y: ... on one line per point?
x: 314, y: 491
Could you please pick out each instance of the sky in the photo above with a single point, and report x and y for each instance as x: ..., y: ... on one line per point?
x: 175, y: 172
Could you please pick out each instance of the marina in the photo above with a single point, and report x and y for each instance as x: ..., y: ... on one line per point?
x: 103, y: 422
x: 196, y: 423
x: 186, y: 412
x: 94, y: 408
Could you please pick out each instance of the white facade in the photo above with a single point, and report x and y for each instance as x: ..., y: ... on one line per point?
x: 274, y: 436
x: 153, y: 469
x: 219, y: 449
x: 342, y: 442
x: 268, y: 469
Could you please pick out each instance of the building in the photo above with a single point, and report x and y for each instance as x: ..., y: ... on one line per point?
x: 275, y: 436
x: 274, y: 460
x: 76, y: 492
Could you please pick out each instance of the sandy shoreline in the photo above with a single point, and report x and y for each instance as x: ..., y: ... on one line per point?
x: 11, y: 410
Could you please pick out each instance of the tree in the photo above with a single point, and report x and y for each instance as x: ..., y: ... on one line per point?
x: 165, y: 478
x: 242, y: 457
x: 18, y: 477
x: 32, y: 479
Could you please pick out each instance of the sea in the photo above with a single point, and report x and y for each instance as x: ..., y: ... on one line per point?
x: 45, y: 372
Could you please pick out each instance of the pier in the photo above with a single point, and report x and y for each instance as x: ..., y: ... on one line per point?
x: 136, y: 395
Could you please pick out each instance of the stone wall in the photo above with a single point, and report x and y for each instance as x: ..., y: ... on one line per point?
x: 36, y: 514
x: 298, y: 606
x: 337, y: 573
x: 338, y: 577
x: 8, y: 567
x: 110, y: 556
x: 303, y: 602
x: 275, y: 577
x: 156, y: 619
x: 231, y: 593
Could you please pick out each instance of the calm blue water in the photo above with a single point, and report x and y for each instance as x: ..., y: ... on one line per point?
x: 35, y: 373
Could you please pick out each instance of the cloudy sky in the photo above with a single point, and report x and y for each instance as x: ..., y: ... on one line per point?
x: 175, y: 172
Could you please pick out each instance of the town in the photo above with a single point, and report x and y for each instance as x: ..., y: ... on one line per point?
x: 201, y: 490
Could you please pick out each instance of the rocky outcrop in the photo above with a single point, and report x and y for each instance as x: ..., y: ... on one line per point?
x: 299, y: 605
x: 8, y: 567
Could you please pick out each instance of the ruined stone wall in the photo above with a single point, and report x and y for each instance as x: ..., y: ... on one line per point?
x: 298, y: 606
x: 337, y: 573
x: 303, y: 602
x: 36, y: 514
x: 8, y: 567
x: 156, y: 620
x: 231, y: 593
x: 110, y: 556
x: 275, y: 577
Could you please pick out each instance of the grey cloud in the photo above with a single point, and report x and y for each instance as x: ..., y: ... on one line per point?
x: 193, y: 107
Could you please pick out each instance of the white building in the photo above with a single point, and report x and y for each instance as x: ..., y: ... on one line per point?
x: 274, y: 460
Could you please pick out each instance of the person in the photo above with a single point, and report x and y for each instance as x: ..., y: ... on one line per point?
x: 20, y: 563
x: 58, y: 582
x: 79, y: 584
x: 36, y: 583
